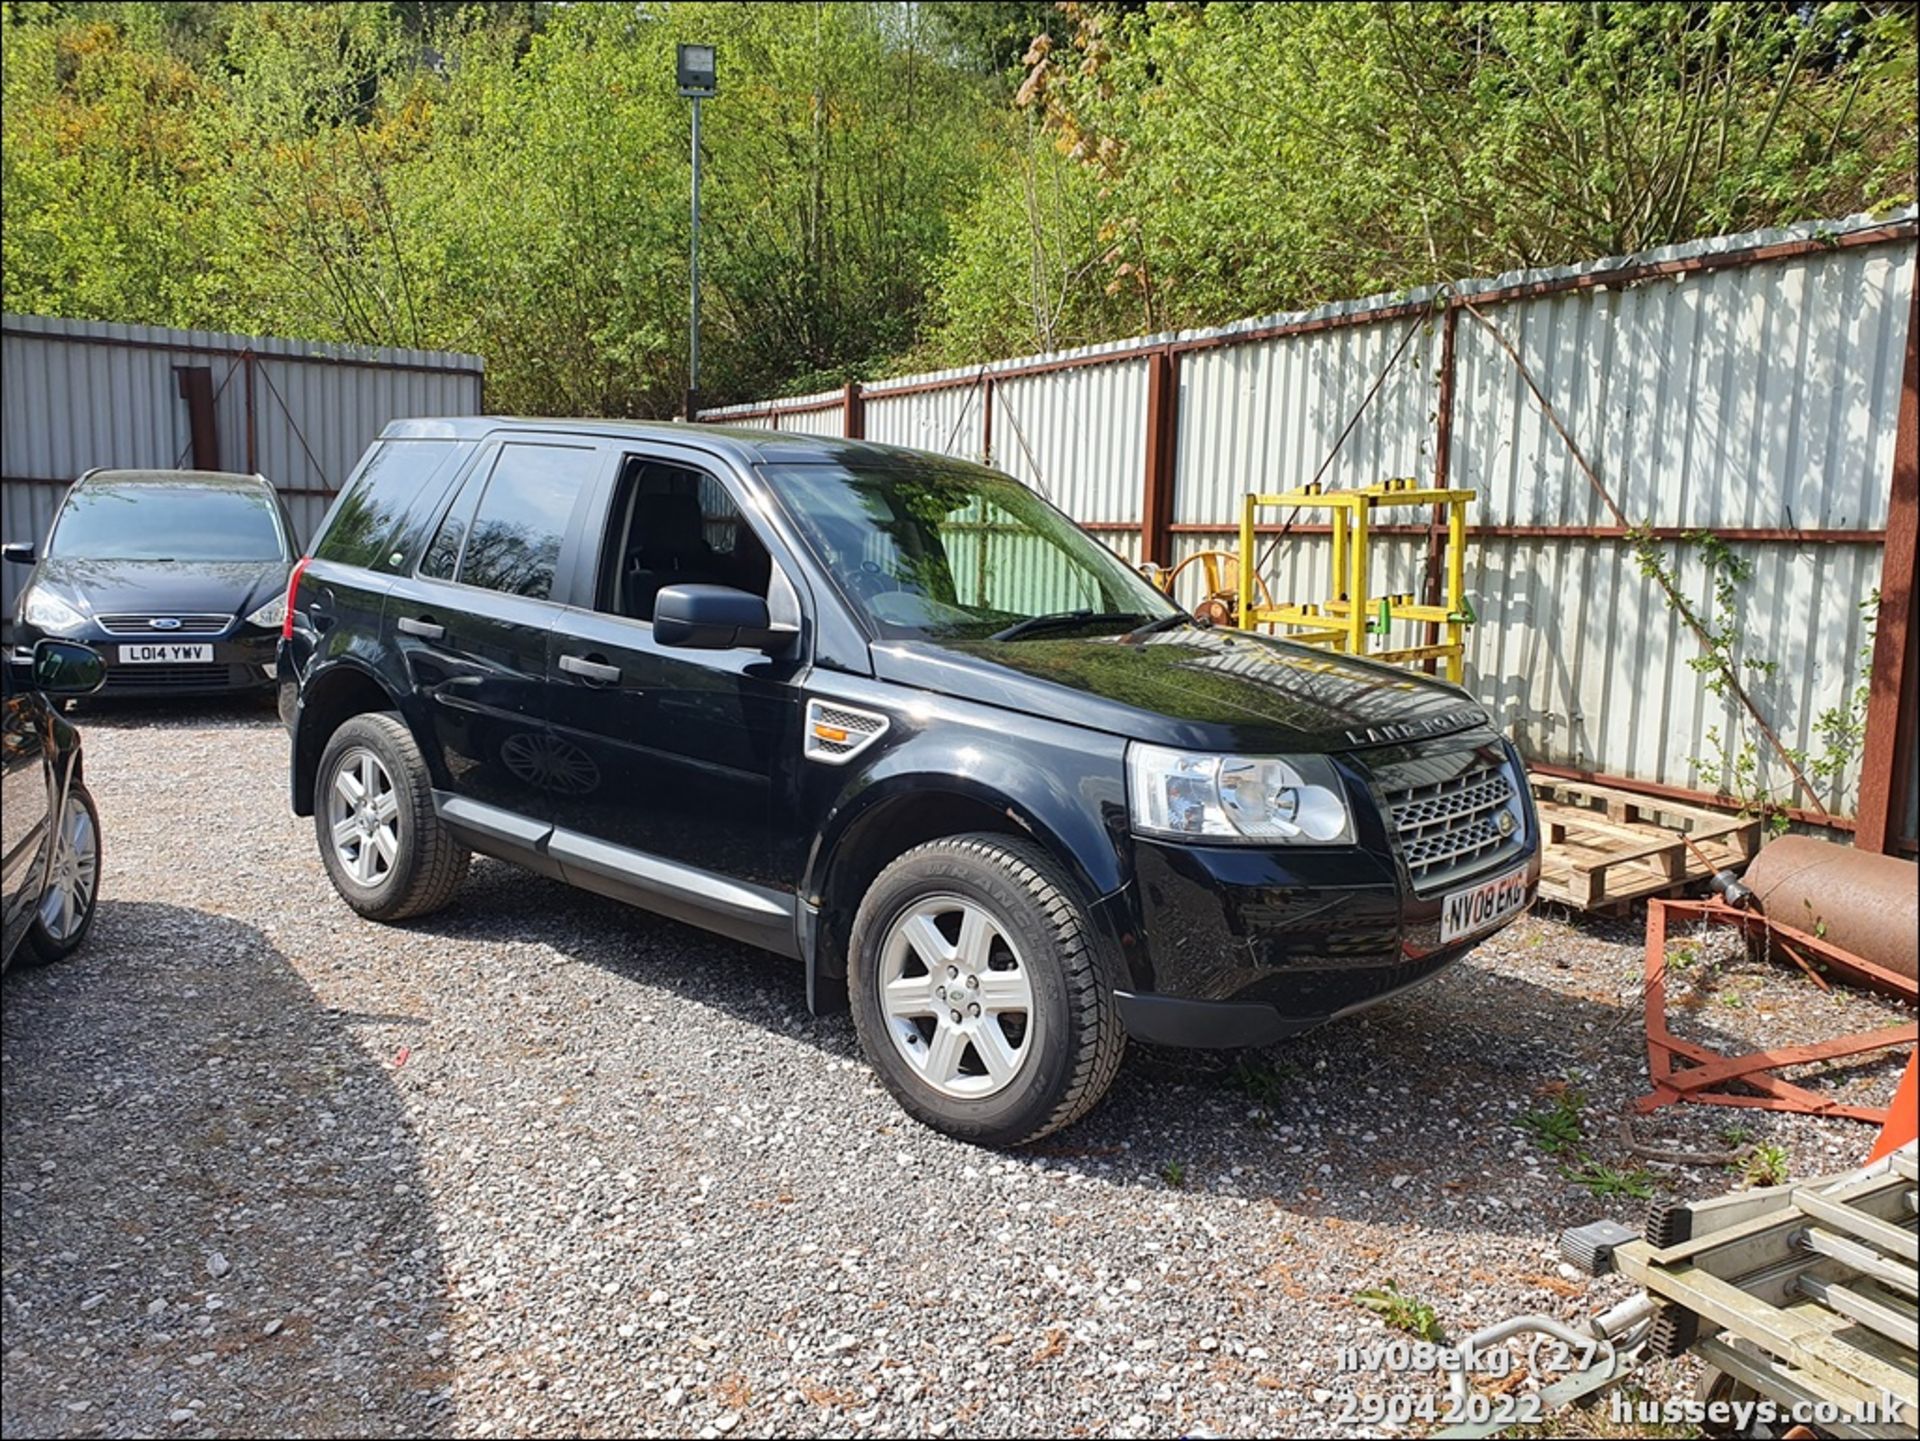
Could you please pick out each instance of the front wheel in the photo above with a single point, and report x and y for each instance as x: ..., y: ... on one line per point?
x: 981, y: 993
x: 66, y: 907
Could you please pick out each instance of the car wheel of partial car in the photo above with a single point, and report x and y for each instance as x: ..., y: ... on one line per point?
x: 981, y: 993
x: 385, y: 849
x: 66, y: 907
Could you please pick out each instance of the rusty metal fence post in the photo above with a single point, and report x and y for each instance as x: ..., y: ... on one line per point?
x: 1162, y: 456
x: 1887, y: 759
x: 1442, y: 467
x: 253, y: 426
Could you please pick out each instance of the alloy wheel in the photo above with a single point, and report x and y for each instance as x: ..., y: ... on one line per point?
x: 957, y: 997
x: 363, y: 817
x: 74, y: 873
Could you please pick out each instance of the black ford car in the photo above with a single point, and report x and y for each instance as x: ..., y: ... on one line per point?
x: 177, y: 578
x: 892, y: 715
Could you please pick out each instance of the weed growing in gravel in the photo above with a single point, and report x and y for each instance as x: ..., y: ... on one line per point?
x: 1766, y: 1165
x: 1401, y: 1311
x: 1264, y: 1082
x: 1605, y: 1181
x: 1560, y: 1130
x: 1557, y: 1128
x: 1736, y: 1135
x: 1174, y: 1173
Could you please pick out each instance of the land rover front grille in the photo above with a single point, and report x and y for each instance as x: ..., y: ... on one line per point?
x: 1450, y: 828
x: 143, y: 626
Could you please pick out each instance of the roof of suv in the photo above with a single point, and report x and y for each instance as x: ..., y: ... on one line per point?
x: 750, y: 446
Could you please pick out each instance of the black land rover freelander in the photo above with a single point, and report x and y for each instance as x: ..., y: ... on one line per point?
x: 892, y: 715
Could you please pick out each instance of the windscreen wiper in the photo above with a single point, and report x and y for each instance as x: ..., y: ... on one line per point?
x: 1061, y: 619
x: 1168, y: 622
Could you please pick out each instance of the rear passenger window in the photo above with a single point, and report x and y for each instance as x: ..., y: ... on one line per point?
x: 386, y: 504
x: 512, y: 543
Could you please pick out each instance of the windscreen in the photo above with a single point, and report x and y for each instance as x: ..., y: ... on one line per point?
x: 146, y: 521
x: 946, y: 549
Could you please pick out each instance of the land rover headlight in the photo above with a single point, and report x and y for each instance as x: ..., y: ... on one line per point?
x: 1259, y: 800
x: 45, y: 611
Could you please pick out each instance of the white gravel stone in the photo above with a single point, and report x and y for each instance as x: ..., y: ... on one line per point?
x: 624, y: 1184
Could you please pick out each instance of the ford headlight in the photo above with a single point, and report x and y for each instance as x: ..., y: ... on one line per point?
x: 1264, y: 800
x: 271, y: 615
x: 46, y: 612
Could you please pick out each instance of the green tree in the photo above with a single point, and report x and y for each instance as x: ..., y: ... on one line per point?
x: 1252, y: 158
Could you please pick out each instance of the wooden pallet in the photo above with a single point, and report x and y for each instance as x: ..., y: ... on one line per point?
x: 1606, y: 847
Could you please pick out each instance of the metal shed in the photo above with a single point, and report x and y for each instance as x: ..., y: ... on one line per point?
x: 81, y: 394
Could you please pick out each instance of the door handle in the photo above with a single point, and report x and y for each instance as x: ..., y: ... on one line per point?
x: 592, y: 670
x: 425, y: 627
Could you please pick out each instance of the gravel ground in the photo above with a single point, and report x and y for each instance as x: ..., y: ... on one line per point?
x: 542, y: 1164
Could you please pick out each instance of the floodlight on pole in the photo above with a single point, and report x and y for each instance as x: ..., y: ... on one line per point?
x: 694, y: 69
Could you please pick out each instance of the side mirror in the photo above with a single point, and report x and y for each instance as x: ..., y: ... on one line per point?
x: 710, y: 617
x: 19, y: 552
x: 65, y: 667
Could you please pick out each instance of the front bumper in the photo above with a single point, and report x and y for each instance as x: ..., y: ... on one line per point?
x: 241, y: 660
x: 1244, y: 947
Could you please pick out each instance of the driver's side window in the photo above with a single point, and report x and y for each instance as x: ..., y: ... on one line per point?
x: 672, y: 525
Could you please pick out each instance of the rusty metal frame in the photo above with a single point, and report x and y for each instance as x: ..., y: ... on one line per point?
x: 1706, y: 1070
x: 1887, y: 758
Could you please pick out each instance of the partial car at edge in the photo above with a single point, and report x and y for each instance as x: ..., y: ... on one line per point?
x: 50, y: 845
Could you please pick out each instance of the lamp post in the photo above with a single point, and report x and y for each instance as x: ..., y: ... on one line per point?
x: 694, y: 70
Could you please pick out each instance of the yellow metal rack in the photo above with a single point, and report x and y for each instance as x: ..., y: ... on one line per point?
x: 1352, y: 618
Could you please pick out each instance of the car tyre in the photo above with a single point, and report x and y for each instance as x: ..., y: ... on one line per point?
x: 987, y: 929
x: 385, y: 849
x: 66, y: 909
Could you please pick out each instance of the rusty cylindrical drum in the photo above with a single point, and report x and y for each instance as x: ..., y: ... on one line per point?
x: 1859, y: 901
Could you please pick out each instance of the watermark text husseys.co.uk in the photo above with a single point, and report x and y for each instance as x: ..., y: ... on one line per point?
x: 1743, y: 1416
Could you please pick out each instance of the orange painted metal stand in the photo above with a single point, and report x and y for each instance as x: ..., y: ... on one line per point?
x: 1703, y: 1072
x: 1903, y: 1117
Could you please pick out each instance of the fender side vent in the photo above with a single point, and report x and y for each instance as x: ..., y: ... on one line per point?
x: 836, y: 734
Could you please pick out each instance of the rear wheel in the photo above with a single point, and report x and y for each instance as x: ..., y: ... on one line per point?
x: 980, y: 991
x: 65, y: 914
x: 386, y: 851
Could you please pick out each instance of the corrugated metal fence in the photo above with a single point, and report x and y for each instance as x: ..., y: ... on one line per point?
x: 76, y: 395
x: 1751, y: 386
